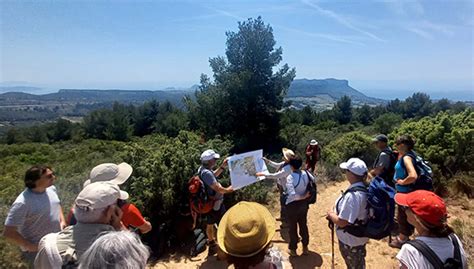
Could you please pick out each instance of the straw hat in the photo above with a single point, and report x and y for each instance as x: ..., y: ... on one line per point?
x: 245, y: 229
x: 288, y: 154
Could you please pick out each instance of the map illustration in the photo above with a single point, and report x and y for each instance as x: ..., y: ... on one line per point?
x: 243, y: 168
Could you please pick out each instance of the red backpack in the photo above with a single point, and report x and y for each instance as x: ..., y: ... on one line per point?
x: 199, y: 199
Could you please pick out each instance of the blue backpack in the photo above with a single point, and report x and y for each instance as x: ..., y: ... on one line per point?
x: 424, y: 171
x: 380, y: 207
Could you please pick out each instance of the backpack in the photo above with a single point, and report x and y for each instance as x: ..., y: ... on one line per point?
x: 380, y: 207
x: 312, y: 188
x: 387, y: 175
x: 424, y: 171
x: 430, y: 255
x: 199, y: 199
x: 199, y: 242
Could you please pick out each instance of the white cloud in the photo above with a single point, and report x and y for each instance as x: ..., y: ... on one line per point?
x: 420, y: 32
x: 337, y: 38
x: 341, y: 19
x: 406, y: 7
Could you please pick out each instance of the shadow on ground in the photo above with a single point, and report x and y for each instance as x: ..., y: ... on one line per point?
x: 312, y: 260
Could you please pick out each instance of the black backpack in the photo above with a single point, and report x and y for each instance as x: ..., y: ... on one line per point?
x: 312, y: 188
x: 430, y: 255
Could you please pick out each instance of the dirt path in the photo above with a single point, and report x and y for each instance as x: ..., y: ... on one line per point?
x: 379, y: 255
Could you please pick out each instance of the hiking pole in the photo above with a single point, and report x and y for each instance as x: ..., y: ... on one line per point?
x: 331, y: 226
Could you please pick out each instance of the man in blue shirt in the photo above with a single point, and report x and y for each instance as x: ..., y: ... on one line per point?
x: 216, y: 190
x: 36, y: 212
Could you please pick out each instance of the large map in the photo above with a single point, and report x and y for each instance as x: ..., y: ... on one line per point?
x: 243, y: 168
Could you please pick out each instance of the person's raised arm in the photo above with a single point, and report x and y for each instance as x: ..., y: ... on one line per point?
x: 273, y: 164
x: 217, y: 187
x: 221, y: 168
x: 11, y: 234
x: 411, y: 171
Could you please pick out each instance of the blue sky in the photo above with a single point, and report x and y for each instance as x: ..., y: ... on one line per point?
x: 384, y: 48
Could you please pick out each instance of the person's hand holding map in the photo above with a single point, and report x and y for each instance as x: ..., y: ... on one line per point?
x: 244, y: 167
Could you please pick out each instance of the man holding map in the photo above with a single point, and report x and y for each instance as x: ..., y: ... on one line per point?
x: 216, y: 190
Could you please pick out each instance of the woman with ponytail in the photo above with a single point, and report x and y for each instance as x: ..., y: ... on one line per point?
x: 436, y: 245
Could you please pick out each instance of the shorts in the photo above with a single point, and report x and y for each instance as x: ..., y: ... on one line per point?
x: 214, y: 216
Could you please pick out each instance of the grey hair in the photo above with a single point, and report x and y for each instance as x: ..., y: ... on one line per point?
x: 117, y: 250
x: 84, y: 215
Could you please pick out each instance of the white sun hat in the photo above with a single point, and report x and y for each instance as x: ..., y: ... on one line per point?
x: 209, y: 155
x: 355, y: 165
x: 110, y: 172
x: 313, y: 142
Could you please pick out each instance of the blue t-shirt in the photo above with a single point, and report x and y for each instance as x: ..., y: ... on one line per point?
x: 35, y: 214
x: 208, y: 177
x: 401, y: 173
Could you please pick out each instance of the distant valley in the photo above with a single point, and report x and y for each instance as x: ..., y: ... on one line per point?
x: 19, y: 106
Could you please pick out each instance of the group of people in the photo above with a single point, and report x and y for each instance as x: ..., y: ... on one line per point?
x: 98, y: 232
x: 245, y: 231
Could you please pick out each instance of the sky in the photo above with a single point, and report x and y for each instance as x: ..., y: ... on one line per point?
x: 384, y: 48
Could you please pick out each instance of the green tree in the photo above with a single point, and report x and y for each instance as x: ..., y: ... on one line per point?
x: 243, y: 99
x: 61, y: 130
x: 96, y: 123
x: 387, y: 122
x: 307, y: 114
x: 343, y: 110
x: 418, y: 105
x: 145, y: 117
x: 364, y: 115
x: 119, y: 126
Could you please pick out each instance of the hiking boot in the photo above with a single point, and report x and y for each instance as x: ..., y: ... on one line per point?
x: 212, y: 248
x: 305, y: 250
x: 292, y: 253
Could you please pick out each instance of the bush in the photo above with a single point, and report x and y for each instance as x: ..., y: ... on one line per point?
x: 349, y: 145
x: 446, y: 140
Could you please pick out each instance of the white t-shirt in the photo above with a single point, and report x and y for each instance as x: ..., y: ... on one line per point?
x: 352, y: 207
x: 443, y: 247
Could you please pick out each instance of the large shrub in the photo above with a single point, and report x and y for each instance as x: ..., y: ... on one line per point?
x: 349, y: 145
x: 446, y: 140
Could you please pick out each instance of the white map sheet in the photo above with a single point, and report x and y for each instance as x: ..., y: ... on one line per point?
x: 243, y: 167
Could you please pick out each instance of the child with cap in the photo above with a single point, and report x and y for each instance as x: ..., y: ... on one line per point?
x: 436, y: 243
x: 244, y: 235
x: 351, y: 208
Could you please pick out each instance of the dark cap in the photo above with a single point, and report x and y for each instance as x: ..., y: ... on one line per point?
x: 380, y: 138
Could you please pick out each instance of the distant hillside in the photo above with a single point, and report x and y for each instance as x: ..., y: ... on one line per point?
x: 318, y: 93
x: 95, y: 96
x: 334, y: 88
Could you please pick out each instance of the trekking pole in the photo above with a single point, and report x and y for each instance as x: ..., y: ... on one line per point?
x: 331, y: 226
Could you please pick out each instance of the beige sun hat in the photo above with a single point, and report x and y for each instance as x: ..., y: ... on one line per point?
x: 245, y: 229
x: 110, y: 172
x: 288, y: 154
x: 99, y: 195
